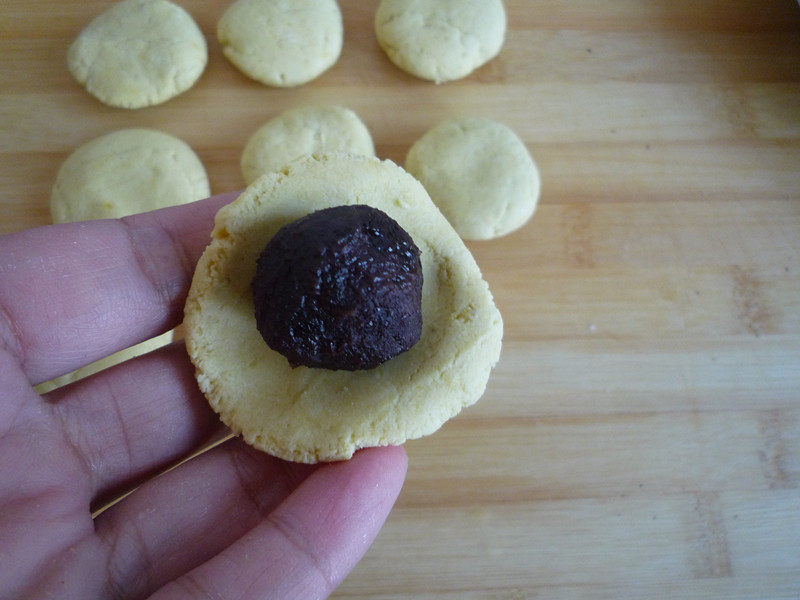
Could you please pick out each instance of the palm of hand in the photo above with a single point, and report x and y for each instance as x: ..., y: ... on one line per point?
x: 232, y: 523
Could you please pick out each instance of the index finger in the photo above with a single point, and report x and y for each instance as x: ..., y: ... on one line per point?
x: 76, y: 292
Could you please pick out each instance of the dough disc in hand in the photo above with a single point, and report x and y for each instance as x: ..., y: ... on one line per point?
x: 307, y: 414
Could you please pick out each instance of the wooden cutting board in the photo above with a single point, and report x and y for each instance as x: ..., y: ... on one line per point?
x: 640, y: 437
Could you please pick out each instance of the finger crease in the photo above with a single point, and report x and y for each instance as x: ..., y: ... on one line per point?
x: 70, y: 435
x: 289, y: 532
x: 119, y: 584
x: 193, y: 588
x: 179, y: 249
x: 11, y: 336
x: 250, y: 490
x: 293, y: 476
x: 89, y: 454
x: 162, y: 286
x: 123, y: 430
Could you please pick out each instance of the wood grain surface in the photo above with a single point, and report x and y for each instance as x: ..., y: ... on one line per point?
x: 640, y: 437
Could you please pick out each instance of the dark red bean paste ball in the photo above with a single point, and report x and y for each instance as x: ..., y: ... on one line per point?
x: 340, y: 288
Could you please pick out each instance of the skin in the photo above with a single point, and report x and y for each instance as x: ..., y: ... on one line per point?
x: 232, y: 523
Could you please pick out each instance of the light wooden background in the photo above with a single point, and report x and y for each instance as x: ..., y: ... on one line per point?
x: 641, y: 435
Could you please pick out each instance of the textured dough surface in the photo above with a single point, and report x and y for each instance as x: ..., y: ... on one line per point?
x: 440, y: 40
x: 480, y: 175
x: 302, y: 131
x: 138, y: 53
x: 312, y: 415
x: 127, y: 172
x: 282, y: 43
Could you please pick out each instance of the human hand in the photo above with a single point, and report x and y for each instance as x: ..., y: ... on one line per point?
x: 231, y: 523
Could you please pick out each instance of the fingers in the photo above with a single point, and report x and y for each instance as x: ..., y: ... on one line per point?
x: 211, y: 518
x: 73, y: 293
x: 176, y: 522
x: 133, y: 419
x: 308, y: 544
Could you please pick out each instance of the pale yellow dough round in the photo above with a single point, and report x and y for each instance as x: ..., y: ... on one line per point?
x: 311, y: 415
x: 304, y: 131
x: 440, y: 40
x: 139, y: 53
x: 480, y: 175
x: 127, y: 172
x: 282, y: 43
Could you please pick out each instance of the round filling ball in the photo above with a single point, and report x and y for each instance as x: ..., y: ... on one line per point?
x: 340, y: 288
